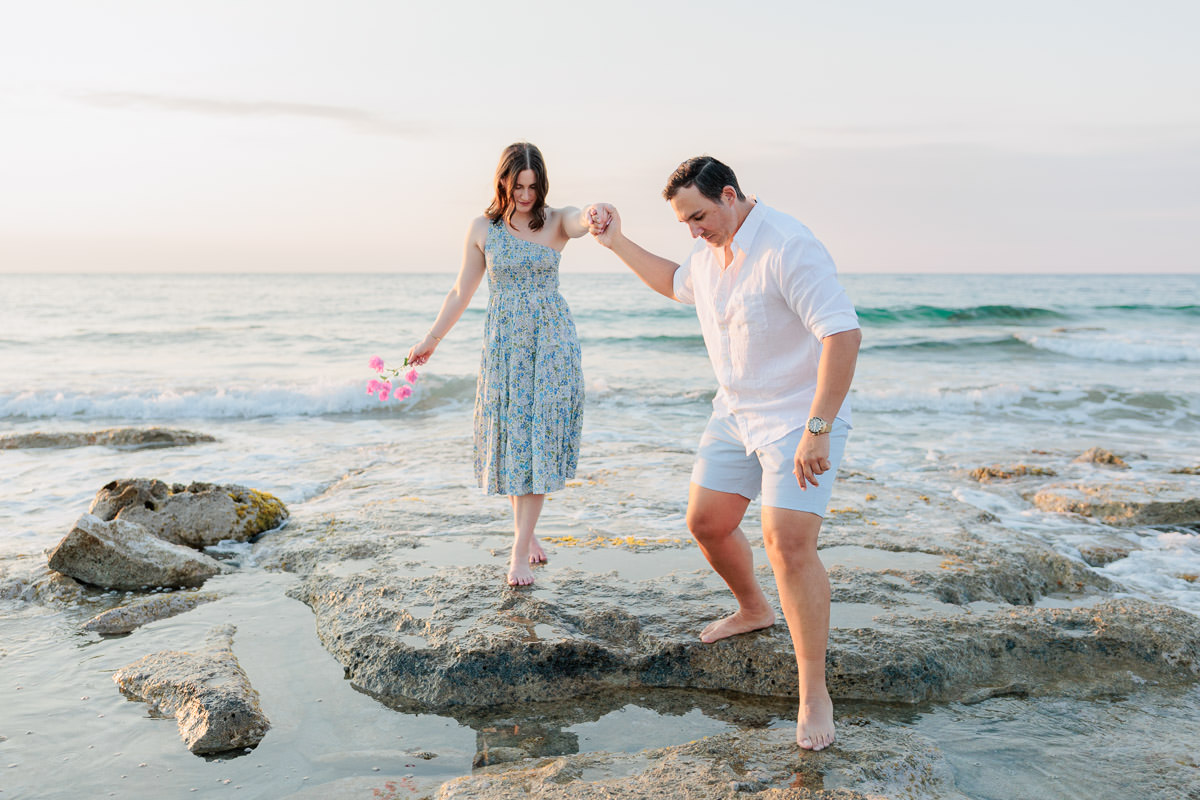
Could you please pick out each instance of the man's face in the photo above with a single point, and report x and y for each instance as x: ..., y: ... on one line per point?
x: 715, y: 222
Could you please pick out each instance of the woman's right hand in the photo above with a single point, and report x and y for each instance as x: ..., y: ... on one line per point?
x: 422, y: 350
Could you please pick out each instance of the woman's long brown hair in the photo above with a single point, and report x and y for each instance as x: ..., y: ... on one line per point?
x: 516, y: 159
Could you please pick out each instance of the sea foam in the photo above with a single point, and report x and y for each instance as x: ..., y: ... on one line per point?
x: 282, y: 400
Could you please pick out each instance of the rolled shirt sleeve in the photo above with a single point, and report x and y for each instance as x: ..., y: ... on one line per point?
x: 808, y: 282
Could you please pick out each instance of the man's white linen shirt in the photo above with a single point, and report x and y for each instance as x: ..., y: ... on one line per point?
x: 763, y: 318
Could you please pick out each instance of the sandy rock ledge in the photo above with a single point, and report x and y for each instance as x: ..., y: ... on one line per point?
x: 206, y: 691
x: 450, y: 639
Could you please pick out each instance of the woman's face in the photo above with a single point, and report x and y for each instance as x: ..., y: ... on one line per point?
x: 524, y: 192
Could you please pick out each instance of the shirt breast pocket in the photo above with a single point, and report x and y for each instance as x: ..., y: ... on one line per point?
x: 748, y: 333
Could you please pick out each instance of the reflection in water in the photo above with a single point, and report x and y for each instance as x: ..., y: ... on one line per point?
x: 522, y: 741
x: 623, y: 720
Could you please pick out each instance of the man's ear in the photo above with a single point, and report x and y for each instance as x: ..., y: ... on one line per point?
x: 729, y: 196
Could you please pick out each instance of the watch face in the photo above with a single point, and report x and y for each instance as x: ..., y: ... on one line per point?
x: 816, y: 425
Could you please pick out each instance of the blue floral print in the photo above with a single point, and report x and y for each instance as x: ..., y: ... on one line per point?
x: 529, y: 397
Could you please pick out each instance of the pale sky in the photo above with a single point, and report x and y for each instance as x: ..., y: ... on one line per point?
x: 362, y: 135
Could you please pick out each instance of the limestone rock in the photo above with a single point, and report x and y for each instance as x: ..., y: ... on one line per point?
x: 124, y: 438
x: 207, y: 692
x: 124, y: 555
x: 36, y: 584
x: 1146, y: 503
x: 450, y: 638
x: 1110, y: 647
x: 1101, y: 555
x: 994, y: 473
x: 145, y: 610
x: 196, y: 515
x: 869, y: 761
x: 1105, y: 458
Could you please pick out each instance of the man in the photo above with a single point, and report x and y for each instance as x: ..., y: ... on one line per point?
x: 783, y: 340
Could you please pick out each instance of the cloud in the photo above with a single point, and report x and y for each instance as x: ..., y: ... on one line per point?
x: 354, y: 118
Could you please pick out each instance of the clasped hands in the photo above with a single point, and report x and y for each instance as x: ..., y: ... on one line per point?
x: 601, y: 218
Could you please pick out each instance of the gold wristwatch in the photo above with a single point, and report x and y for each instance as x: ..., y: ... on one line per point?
x: 816, y: 426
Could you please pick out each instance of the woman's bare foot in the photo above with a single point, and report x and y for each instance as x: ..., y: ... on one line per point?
x: 536, y: 554
x: 814, y: 722
x: 519, y: 573
x: 735, y: 623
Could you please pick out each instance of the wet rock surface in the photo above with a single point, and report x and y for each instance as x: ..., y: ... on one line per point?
x: 309, y: 545
x: 123, y: 438
x: 119, y: 554
x: 450, y: 638
x: 29, y: 580
x: 1102, y: 457
x: 869, y: 761
x: 1003, y: 473
x: 206, y: 691
x: 129, y: 617
x: 1134, y: 504
x: 196, y: 515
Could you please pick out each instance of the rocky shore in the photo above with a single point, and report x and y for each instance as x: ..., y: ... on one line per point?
x: 935, y: 604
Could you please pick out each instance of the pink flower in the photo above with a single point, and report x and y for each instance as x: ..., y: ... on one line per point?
x: 385, y: 389
x: 404, y: 392
x: 373, y: 386
x: 376, y: 363
x: 411, y: 376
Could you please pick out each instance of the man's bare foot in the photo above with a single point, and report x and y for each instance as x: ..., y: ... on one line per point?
x: 814, y: 722
x: 536, y: 554
x: 735, y: 623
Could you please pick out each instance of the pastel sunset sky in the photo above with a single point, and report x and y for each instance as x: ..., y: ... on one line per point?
x: 361, y: 135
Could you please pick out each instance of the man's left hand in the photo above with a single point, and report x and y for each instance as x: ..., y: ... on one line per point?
x: 812, y: 459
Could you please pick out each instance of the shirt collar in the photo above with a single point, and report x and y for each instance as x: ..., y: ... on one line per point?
x: 750, y: 225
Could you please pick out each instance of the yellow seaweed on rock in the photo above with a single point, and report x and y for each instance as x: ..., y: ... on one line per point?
x: 599, y: 540
x: 267, y: 511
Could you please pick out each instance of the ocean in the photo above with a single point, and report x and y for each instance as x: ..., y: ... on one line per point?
x: 955, y: 372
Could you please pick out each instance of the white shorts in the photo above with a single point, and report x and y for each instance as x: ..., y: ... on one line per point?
x: 722, y: 465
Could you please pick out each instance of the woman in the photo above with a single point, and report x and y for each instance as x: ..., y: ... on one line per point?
x: 529, y: 398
